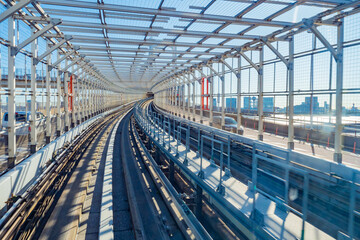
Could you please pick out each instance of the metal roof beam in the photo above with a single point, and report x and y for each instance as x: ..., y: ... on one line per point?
x: 157, y: 51
x: 169, y: 13
x: 122, y: 28
x: 90, y: 39
x: 13, y: 9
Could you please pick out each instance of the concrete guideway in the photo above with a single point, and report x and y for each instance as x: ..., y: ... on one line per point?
x: 106, y: 192
x: 216, y: 185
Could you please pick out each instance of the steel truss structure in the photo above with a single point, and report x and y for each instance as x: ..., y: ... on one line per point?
x: 166, y: 47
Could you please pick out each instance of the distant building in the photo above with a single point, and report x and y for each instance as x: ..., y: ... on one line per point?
x: 252, y: 103
x: 231, y: 104
x: 268, y: 104
x: 305, y: 107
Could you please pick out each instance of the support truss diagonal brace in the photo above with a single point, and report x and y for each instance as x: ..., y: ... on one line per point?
x: 54, y: 22
x: 229, y: 67
x: 53, y: 48
x: 275, y: 51
x: 202, y: 74
x: 63, y: 58
x: 195, y: 78
x: 13, y: 9
x: 249, y: 61
x: 308, y: 23
x: 76, y: 60
x: 216, y: 73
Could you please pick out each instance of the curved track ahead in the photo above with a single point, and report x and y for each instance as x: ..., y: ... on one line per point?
x: 69, y: 204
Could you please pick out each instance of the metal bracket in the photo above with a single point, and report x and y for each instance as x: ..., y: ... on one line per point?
x: 37, y: 19
x: 10, y: 11
x: 34, y: 36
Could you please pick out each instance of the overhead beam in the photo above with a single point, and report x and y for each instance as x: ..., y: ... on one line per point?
x: 13, y: 9
x: 169, y: 13
x: 101, y: 40
x: 122, y: 28
x: 141, y: 50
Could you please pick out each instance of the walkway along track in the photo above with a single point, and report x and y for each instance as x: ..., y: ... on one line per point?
x: 65, y: 202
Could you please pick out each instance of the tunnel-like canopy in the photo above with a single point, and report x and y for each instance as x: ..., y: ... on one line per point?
x: 135, y: 44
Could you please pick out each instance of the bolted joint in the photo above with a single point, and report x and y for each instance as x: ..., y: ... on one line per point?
x: 307, y: 22
x: 68, y: 37
x: 14, y: 51
x: 56, y: 21
x: 35, y: 61
x: 264, y: 39
x: 290, y: 66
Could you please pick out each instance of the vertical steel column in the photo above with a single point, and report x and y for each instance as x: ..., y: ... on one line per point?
x: 48, y: 100
x: 175, y: 97
x: 339, y: 92
x: 33, y: 132
x: 96, y: 93
x: 58, y: 102
x: 11, y: 98
x: 223, y: 105
x: 87, y: 101
x: 202, y: 97
x: 79, y: 103
x: 261, y: 95
x: 194, y: 105
x: 78, y: 95
x: 211, y: 98
x: 291, y: 94
x: 92, y: 99
x: 66, y: 98
x: 240, y: 130
x: 183, y: 96
x: 86, y: 106
x: 171, y: 98
x: 73, y: 105
x: 188, y: 99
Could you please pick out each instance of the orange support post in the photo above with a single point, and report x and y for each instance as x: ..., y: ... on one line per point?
x: 354, y: 147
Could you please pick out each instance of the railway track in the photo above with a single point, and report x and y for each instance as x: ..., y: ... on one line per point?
x: 65, y: 202
x: 25, y: 218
